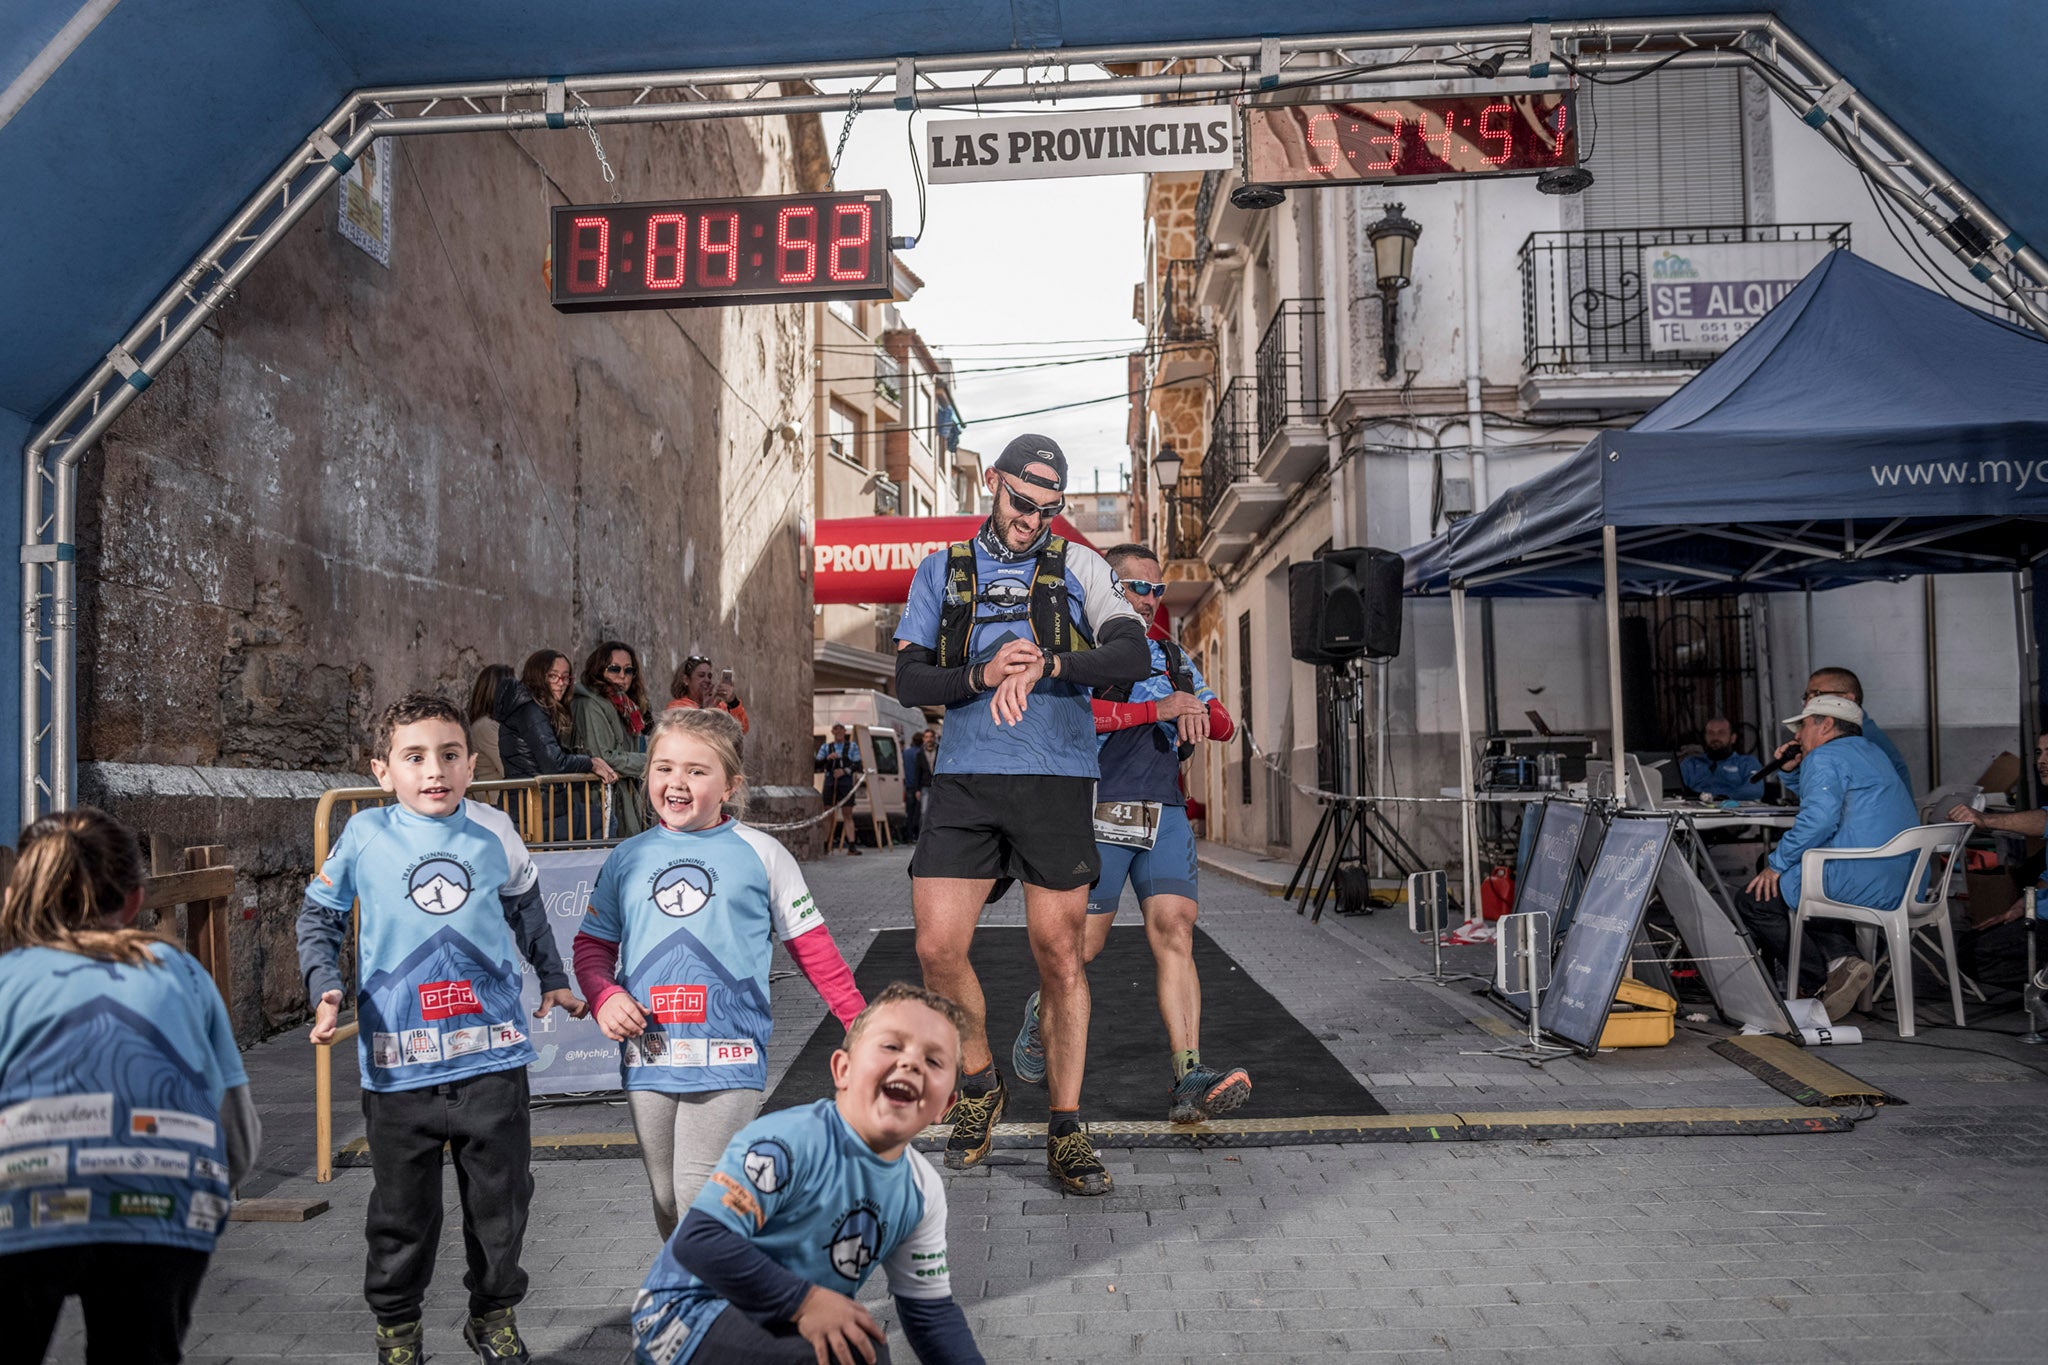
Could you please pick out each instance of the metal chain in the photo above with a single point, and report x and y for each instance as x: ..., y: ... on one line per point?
x: 845, y: 131
x: 611, y: 177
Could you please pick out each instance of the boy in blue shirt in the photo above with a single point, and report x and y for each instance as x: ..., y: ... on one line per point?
x: 449, y: 905
x: 807, y: 1202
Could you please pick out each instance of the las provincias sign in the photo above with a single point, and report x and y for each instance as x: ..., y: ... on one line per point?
x: 1084, y: 142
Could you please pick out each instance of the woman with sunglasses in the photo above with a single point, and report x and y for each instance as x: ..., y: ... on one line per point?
x: 611, y: 717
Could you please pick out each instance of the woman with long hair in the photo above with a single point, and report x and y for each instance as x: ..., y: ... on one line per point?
x: 535, y: 730
x: 695, y: 685
x: 610, y: 705
x: 483, y: 721
x: 117, y: 1058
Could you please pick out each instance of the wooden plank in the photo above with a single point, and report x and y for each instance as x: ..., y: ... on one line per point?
x: 180, y: 888
x: 276, y: 1210
x: 206, y: 921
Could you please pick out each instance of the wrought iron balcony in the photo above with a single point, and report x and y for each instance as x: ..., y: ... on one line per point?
x: 1291, y: 368
x: 1179, y: 315
x: 1584, y: 306
x: 1181, y: 532
x: 1290, y: 375
x: 1228, y: 458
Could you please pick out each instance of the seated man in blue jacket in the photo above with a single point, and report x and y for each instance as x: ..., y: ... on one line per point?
x: 1850, y: 797
x: 1721, y: 772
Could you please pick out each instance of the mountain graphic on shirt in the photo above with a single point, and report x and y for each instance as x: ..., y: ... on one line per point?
x: 734, y: 1006
x: 682, y: 890
x: 102, y: 1046
x: 390, y: 999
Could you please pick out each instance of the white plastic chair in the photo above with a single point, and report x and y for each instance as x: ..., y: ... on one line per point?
x: 1928, y: 844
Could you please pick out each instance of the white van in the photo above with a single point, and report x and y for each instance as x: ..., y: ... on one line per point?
x: 882, y: 726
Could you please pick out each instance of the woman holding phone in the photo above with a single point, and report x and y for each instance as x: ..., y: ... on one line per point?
x: 694, y: 684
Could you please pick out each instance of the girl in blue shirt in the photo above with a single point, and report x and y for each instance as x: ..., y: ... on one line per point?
x: 674, y: 956
x: 125, y: 1119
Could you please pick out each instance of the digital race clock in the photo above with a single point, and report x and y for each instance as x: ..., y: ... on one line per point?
x: 1435, y: 138
x: 696, y: 253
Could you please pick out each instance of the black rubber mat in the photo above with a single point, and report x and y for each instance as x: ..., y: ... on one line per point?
x: 1129, y: 1068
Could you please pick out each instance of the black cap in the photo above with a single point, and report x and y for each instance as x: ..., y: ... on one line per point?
x: 1028, y: 450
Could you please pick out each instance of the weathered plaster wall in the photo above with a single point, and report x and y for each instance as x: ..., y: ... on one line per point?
x: 362, y: 480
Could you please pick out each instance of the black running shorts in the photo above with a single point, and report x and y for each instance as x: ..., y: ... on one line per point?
x: 1037, y: 829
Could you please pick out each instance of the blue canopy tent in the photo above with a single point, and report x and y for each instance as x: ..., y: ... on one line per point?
x: 1865, y: 429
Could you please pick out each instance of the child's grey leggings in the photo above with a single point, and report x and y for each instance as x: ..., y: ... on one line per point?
x: 681, y: 1139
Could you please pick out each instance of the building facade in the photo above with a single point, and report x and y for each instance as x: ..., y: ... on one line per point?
x: 1297, y: 410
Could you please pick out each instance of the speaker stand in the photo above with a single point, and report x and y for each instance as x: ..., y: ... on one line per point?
x: 1348, y: 824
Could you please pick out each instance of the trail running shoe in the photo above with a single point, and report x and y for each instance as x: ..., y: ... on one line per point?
x: 1205, y: 1092
x: 1027, y: 1055
x: 974, y: 1119
x: 401, y: 1345
x: 495, y: 1337
x: 1071, y: 1159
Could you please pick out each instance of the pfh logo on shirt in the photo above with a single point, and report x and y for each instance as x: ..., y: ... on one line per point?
x: 682, y: 889
x: 439, y: 884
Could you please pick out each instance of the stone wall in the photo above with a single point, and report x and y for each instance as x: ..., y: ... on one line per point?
x: 361, y: 480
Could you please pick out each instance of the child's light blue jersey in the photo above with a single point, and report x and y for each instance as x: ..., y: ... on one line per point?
x: 804, y: 1188
x: 696, y: 914
x: 111, y: 1080
x: 440, y: 970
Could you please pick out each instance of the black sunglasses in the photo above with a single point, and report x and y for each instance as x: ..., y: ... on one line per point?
x: 620, y: 668
x: 1025, y: 507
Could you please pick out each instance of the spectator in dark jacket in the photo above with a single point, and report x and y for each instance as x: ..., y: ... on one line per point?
x: 917, y: 774
x: 530, y: 744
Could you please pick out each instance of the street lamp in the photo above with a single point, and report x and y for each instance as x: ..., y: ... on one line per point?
x: 1393, y: 256
x: 1166, y: 470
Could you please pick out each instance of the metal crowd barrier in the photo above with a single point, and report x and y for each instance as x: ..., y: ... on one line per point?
x: 558, y: 811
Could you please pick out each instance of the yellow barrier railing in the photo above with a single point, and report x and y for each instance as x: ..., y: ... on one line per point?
x: 585, y: 805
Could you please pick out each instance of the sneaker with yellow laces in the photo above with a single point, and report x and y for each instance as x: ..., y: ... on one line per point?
x: 404, y: 1344
x: 974, y: 1119
x: 495, y: 1337
x: 1071, y: 1159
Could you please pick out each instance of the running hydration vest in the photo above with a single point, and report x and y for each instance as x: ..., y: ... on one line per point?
x: 1045, y: 611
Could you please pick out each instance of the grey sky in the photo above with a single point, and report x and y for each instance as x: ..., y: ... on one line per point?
x: 1018, y: 272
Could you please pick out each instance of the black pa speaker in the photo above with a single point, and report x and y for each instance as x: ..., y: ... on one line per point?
x: 1345, y: 604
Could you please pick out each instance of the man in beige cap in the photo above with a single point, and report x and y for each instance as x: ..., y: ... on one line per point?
x: 1849, y: 797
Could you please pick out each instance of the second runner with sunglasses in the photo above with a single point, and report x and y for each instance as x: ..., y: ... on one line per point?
x: 1014, y: 793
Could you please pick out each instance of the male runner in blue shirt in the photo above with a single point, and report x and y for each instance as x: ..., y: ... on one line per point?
x: 1009, y: 632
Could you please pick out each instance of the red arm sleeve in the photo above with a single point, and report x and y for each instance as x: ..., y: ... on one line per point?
x: 596, y: 965
x: 1123, y: 715
x: 820, y: 960
x: 1221, y: 726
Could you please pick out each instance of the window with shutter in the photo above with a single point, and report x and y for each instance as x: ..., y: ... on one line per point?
x: 1668, y: 152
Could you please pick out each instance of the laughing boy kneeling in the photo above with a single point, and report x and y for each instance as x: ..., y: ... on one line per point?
x: 806, y: 1202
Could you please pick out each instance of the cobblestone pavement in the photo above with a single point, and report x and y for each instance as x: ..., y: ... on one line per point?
x: 1917, y: 1237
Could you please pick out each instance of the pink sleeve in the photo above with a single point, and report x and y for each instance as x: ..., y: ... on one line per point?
x: 819, y: 957
x: 596, y: 965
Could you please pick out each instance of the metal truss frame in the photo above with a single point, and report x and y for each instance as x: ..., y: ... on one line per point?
x: 1241, y: 68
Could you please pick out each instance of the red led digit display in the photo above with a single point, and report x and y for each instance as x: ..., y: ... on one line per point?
x: 706, y: 252
x: 1435, y: 138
